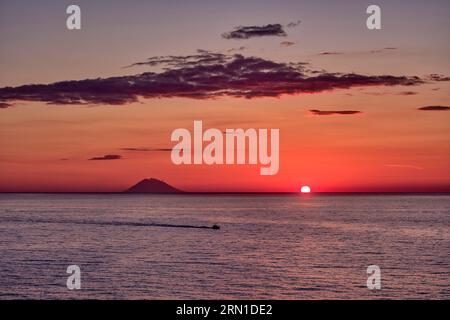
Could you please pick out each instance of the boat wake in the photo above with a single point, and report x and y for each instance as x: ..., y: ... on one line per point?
x: 111, y: 223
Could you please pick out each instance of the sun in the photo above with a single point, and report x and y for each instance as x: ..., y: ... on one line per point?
x: 305, y: 189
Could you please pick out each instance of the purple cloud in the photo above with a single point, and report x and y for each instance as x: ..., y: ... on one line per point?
x: 205, y: 75
x: 287, y: 43
x: 241, y: 48
x: 248, y: 32
x: 107, y: 157
x: 329, y: 53
x: 203, y: 57
x: 438, y: 77
x: 434, y: 108
x: 294, y: 24
x: 402, y: 93
x: 383, y: 50
x: 407, y: 93
x: 333, y: 113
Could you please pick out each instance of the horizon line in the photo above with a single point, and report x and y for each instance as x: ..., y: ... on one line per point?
x: 231, y: 192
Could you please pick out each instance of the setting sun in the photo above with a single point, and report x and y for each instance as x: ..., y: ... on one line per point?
x: 305, y: 189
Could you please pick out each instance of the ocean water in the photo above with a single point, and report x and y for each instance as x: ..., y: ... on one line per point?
x: 269, y: 246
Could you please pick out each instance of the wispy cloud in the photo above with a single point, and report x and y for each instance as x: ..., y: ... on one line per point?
x: 203, y: 57
x: 334, y: 112
x: 375, y: 51
x: 205, y: 75
x: 383, y: 50
x: 241, y: 48
x: 407, y: 93
x: 401, y: 93
x: 294, y: 24
x: 247, y: 32
x: 329, y: 53
x: 287, y: 43
x: 107, y: 157
x: 438, y: 77
x: 434, y: 108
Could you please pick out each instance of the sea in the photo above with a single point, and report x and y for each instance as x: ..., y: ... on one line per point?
x: 269, y: 246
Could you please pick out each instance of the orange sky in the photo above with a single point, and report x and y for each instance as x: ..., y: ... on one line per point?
x: 45, y: 148
x: 389, y: 146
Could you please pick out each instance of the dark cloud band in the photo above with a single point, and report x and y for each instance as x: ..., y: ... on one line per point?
x: 107, y: 157
x: 293, y: 24
x: 434, y: 108
x: 205, y: 75
x: 248, y: 32
x: 287, y: 44
x: 4, y: 105
x: 333, y: 113
x: 438, y: 77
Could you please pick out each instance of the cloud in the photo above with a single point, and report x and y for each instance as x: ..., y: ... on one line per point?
x: 407, y: 93
x: 4, y: 105
x: 287, y: 43
x: 107, y: 157
x: 248, y: 32
x: 383, y: 50
x: 329, y: 53
x: 402, y: 93
x: 438, y: 77
x: 333, y: 113
x: 293, y: 24
x: 434, y: 108
x: 241, y: 48
x: 147, y: 149
x: 203, y: 57
x: 205, y: 75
